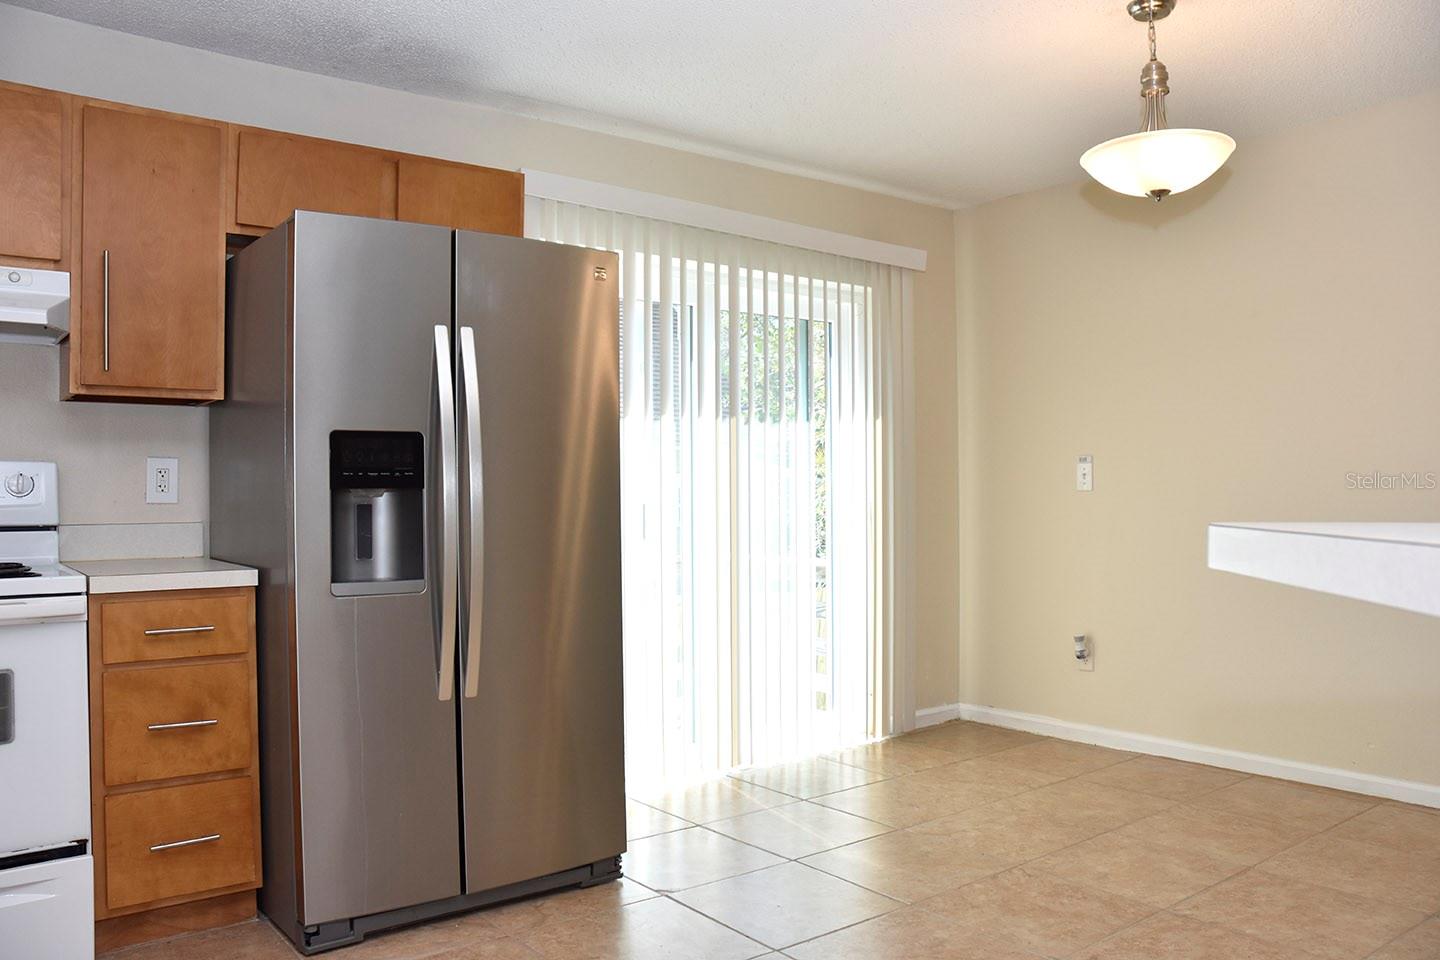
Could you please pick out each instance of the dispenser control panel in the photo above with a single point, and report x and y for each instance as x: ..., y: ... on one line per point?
x: 362, y: 459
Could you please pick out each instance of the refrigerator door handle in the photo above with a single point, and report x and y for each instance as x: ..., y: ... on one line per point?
x: 470, y: 384
x: 449, y: 586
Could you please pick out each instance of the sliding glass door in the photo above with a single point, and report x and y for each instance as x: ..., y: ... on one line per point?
x: 751, y: 541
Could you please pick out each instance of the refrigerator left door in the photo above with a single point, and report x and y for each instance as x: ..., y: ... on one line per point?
x: 373, y: 461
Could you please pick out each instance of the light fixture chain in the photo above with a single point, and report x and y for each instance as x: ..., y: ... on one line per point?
x: 1152, y: 34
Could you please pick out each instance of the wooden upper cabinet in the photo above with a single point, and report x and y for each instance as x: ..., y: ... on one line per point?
x: 277, y: 174
x: 152, y: 257
x: 136, y: 205
x: 33, y: 162
x: 461, y: 196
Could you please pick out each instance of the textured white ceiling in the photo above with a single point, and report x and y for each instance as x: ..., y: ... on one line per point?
x: 957, y: 102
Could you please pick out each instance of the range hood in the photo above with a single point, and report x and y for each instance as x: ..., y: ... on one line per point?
x: 34, y: 305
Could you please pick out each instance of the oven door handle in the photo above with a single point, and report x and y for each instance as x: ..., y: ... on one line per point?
x: 68, y: 609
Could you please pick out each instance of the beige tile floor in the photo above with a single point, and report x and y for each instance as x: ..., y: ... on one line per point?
x: 966, y: 841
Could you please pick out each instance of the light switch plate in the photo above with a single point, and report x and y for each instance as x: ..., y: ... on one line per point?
x: 1084, y: 474
x: 162, y: 480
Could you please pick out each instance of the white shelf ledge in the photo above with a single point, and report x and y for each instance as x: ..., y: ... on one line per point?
x: 1395, y: 564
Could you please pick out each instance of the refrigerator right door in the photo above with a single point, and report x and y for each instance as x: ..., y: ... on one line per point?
x: 541, y: 712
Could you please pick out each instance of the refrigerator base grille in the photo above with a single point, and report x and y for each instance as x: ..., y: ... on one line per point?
x: 342, y: 933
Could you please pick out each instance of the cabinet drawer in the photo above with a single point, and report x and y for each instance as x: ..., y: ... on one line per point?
x: 162, y: 628
x: 177, y: 841
x: 163, y: 722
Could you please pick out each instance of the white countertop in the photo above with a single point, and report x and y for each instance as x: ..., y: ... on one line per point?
x: 1395, y: 564
x: 177, y: 573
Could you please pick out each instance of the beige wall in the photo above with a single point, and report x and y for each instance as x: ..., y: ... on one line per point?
x: 50, y: 52
x: 100, y: 447
x: 1230, y: 354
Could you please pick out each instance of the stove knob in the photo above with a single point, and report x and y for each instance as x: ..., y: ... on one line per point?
x: 19, y: 484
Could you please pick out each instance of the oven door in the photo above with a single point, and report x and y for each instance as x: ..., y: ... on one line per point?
x: 44, y: 723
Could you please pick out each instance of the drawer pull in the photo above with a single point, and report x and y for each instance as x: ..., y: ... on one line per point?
x: 167, y: 631
x: 184, y: 843
x: 183, y: 724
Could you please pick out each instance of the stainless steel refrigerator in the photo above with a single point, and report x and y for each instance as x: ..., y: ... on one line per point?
x: 419, y: 449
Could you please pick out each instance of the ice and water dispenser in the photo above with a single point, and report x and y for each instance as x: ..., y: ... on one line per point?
x: 377, y: 512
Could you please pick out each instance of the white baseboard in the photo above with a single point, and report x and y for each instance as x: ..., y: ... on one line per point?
x: 1407, y: 791
x: 929, y: 716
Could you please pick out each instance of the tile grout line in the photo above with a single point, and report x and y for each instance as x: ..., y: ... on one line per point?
x: 1169, y: 909
x: 1403, y: 933
x: 669, y: 895
x: 706, y: 916
x: 1360, y: 813
x: 1248, y: 869
x: 980, y: 806
x: 1080, y: 777
x: 1240, y: 873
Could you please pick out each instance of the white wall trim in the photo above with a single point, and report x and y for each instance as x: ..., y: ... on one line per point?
x: 554, y: 186
x: 1407, y: 791
x: 929, y: 716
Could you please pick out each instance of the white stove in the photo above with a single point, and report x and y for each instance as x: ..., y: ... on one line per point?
x: 46, y: 870
x: 29, y: 544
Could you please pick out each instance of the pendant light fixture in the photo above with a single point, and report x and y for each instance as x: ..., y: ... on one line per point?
x: 1157, y: 161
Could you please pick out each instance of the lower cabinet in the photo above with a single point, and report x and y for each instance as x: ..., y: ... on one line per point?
x: 180, y: 841
x: 174, y: 761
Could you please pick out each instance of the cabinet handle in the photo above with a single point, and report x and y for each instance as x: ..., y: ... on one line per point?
x: 167, y: 631
x: 105, y: 326
x: 183, y: 724
x: 184, y: 843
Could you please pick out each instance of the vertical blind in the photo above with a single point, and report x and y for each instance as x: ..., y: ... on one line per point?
x: 766, y: 440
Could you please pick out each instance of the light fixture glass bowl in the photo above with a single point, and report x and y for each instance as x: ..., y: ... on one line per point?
x: 1158, y: 163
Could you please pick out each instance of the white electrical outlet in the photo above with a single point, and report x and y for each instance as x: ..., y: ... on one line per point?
x: 1085, y: 474
x: 162, y: 480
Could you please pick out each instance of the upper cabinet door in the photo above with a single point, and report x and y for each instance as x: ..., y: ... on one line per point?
x: 277, y: 174
x: 461, y: 196
x: 32, y: 158
x: 152, y: 257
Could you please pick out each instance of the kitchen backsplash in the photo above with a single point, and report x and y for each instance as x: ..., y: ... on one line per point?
x: 100, y: 450
x: 131, y: 541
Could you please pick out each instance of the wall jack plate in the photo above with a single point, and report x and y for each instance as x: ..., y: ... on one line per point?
x: 162, y: 480
x: 1084, y: 653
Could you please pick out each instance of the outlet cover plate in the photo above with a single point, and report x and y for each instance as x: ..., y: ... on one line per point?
x: 162, y: 480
